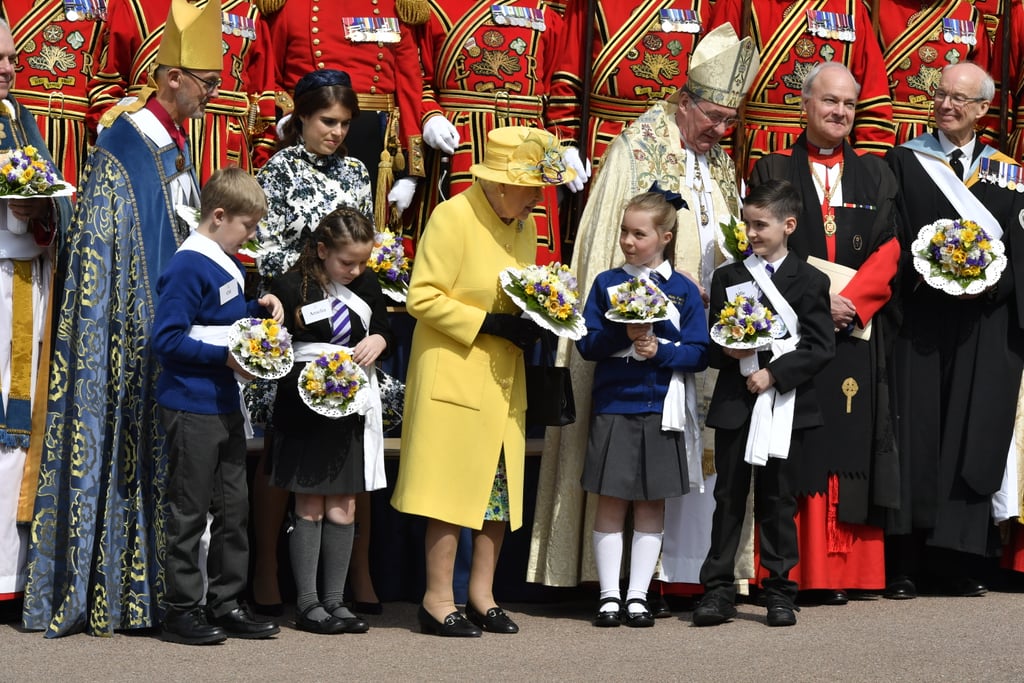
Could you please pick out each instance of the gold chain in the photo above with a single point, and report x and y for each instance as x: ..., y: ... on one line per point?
x: 830, y: 216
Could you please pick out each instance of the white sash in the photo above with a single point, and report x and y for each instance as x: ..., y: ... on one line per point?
x: 771, y: 422
x: 202, y: 244
x: 373, y: 414
x: 218, y: 335
x: 962, y: 199
x: 679, y: 412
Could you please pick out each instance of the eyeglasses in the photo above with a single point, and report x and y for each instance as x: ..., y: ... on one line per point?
x: 957, y: 99
x: 210, y: 85
x: 716, y: 119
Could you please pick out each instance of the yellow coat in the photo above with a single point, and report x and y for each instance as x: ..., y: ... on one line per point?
x: 465, y: 397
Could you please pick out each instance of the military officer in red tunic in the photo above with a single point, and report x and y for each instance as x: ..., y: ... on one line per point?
x: 233, y: 130
x: 918, y: 39
x: 639, y: 53
x: 487, y: 64
x: 792, y: 37
x: 55, y: 40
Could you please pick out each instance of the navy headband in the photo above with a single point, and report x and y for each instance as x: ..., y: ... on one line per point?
x: 321, y: 78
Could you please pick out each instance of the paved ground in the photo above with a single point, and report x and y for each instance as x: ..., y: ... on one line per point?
x: 927, y: 639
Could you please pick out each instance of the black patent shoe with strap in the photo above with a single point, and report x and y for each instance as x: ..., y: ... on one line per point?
x: 609, y: 618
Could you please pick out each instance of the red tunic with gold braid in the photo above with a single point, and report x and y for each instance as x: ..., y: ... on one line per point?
x: 918, y: 39
x: 991, y: 15
x: 311, y: 34
x: 790, y: 45
x: 1015, y: 141
x: 236, y: 119
x: 55, y: 56
x: 636, y: 57
x: 482, y: 70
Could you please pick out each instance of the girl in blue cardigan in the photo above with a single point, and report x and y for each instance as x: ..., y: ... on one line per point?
x: 631, y: 457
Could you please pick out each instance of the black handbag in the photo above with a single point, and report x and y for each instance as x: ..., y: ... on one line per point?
x: 549, y: 398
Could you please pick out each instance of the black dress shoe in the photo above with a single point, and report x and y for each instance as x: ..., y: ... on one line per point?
x: 327, y: 626
x: 372, y: 608
x: 191, y: 628
x: 964, y: 587
x: 493, y: 620
x: 240, y: 623
x: 643, y: 619
x: 900, y: 589
x: 780, y: 615
x: 454, y: 625
x: 658, y: 606
x: 836, y: 597
x: 609, y: 618
x: 714, y: 608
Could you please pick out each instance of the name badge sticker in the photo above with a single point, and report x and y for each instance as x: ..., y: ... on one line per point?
x: 748, y: 289
x: 228, y: 291
x: 317, y: 311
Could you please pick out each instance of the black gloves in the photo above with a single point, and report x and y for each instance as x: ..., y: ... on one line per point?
x: 520, y: 331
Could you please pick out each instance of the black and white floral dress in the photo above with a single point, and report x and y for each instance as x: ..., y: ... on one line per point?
x: 301, y: 189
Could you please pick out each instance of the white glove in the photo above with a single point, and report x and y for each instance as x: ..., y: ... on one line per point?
x: 402, y: 192
x: 439, y: 133
x: 571, y: 157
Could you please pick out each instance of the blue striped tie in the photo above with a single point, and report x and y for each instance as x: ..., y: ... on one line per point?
x: 340, y: 323
x: 770, y: 269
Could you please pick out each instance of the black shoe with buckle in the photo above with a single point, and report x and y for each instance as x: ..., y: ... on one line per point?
x: 493, y: 620
x: 609, y: 618
x: 714, y: 608
x: 454, y: 625
x: 240, y: 623
x: 642, y: 619
x: 191, y: 628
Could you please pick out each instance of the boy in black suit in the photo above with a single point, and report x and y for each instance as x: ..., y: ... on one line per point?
x: 770, y: 213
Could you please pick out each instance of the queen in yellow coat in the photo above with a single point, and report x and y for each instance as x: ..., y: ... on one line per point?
x: 463, y: 441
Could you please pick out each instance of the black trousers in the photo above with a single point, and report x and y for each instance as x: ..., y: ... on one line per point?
x: 774, y: 509
x: 207, y: 474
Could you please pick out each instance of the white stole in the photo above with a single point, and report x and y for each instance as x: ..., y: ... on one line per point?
x: 771, y: 422
x: 373, y: 413
x: 962, y: 199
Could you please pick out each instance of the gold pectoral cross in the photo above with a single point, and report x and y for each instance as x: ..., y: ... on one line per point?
x: 850, y: 388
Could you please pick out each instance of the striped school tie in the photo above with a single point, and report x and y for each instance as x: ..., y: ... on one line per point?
x: 340, y: 323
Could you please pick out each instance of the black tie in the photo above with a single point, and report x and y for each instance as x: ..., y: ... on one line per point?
x: 956, y: 164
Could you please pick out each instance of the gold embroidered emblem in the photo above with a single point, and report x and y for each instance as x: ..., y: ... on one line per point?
x: 655, y: 67
x: 493, y: 38
x: 928, y: 54
x: 53, y: 59
x: 804, y: 47
x: 496, y: 63
x: 795, y: 79
x: 925, y: 79
x: 850, y: 389
x: 53, y: 33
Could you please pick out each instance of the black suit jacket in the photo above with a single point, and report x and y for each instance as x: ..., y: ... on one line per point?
x: 806, y: 290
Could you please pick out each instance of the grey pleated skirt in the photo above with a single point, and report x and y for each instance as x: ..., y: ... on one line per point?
x: 630, y: 457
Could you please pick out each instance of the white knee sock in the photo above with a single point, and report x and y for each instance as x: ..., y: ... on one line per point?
x: 643, y: 559
x: 608, y: 556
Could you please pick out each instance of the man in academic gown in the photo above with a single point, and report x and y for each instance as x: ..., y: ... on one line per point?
x: 957, y: 360
x: 98, y: 530
x: 847, y: 468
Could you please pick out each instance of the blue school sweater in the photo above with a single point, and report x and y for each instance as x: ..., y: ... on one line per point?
x: 195, y: 377
x: 626, y: 385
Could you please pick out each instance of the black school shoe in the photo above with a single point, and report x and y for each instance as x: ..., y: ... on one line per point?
x: 493, y: 620
x: 240, y: 623
x: 642, y: 619
x: 191, y: 628
x: 714, y: 608
x: 781, y: 611
x: 608, y: 618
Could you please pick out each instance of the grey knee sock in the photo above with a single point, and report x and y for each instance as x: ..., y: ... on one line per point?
x: 304, y: 548
x: 337, y: 552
